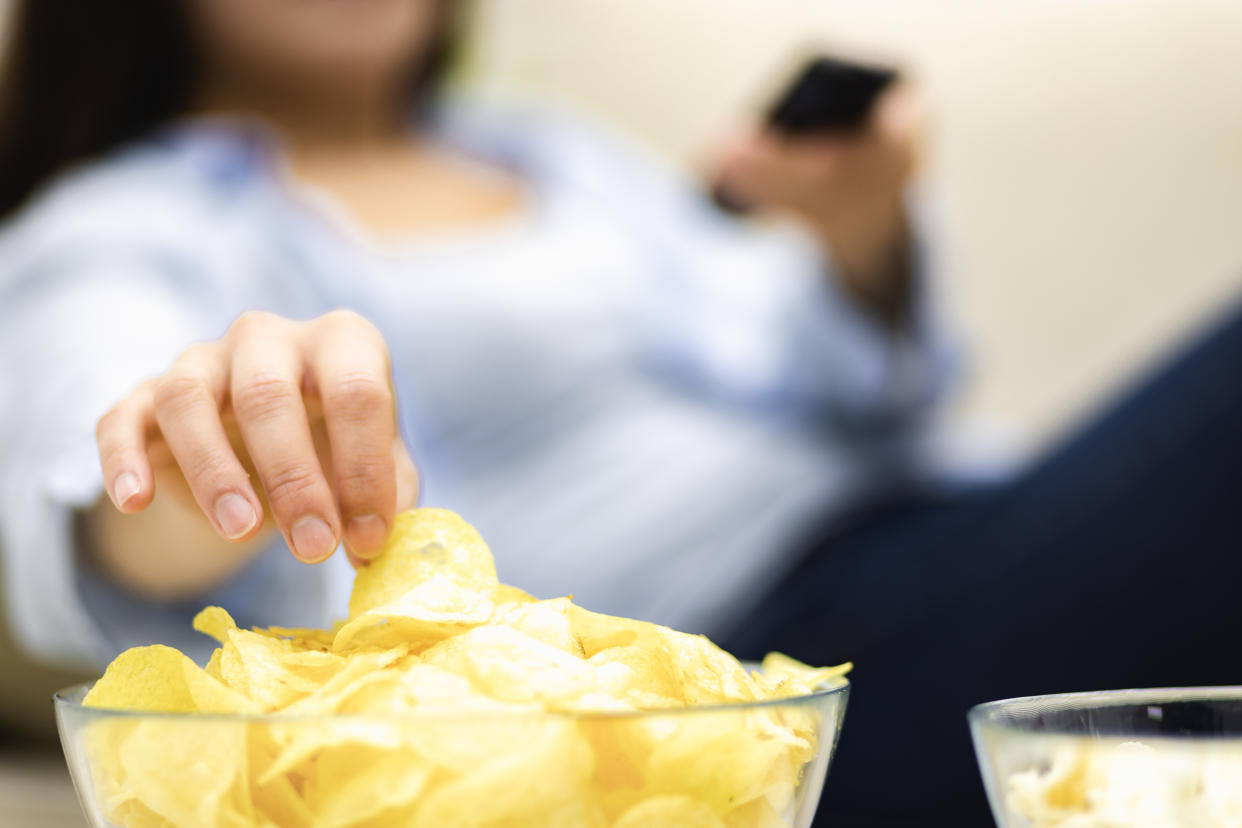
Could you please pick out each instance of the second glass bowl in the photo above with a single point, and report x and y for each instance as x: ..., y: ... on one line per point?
x: 1168, y: 758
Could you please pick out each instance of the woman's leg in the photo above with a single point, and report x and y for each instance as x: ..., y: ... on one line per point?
x: 1116, y: 562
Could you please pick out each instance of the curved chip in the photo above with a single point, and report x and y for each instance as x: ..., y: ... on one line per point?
x: 159, y: 678
x: 435, y: 577
x: 665, y: 811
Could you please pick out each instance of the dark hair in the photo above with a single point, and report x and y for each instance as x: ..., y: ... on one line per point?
x: 81, y: 78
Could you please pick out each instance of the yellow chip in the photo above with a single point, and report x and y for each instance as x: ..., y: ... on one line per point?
x: 435, y: 577
x: 426, y: 545
x: 690, y: 668
x: 300, y: 743
x: 666, y: 811
x: 133, y: 814
x: 159, y: 678
x: 638, y: 676
x: 759, y: 813
x: 546, y: 621
x: 276, y: 797
x: 724, y: 758
x: 419, y: 687
x: 597, y: 631
x: 303, y: 637
x: 271, y: 671
x: 329, y: 696
x: 793, y: 678
x: 188, y: 772
x: 355, y: 784
x: 215, y: 622
x: 506, y: 594
x: 526, y: 776
x: 708, y: 675
x: 280, y: 803
x: 509, y: 665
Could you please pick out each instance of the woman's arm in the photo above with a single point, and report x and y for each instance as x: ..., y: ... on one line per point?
x: 80, y: 323
x: 757, y: 313
x: 849, y: 191
x: 167, y: 552
x: 80, y: 327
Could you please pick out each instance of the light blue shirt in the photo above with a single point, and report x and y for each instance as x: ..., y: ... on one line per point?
x: 636, y: 400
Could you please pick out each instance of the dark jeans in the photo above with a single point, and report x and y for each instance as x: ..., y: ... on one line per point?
x: 1115, y: 562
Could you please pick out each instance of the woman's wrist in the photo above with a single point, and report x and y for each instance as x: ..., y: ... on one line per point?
x: 873, y: 264
x: 166, y: 553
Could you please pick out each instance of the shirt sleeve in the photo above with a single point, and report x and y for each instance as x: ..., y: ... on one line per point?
x: 78, y: 330
x: 752, y: 311
x: 766, y: 322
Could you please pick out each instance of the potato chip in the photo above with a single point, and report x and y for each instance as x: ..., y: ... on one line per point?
x: 101, y: 742
x: 664, y: 811
x: 280, y: 803
x: 688, y: 668
x: 759, y: 813
x: 597, y: 631
x: 159, y: 678
x: 188, y: 772
x: 707, y: 674
x: 306, y: 638
x: 510, y: 665
x: 328, y: 697
x: 271, y: 671
x: 506, y: 594
x: 276, y: 797
x: 638, y: 676
x: 444, y: 700
x: 526, y: 776
x: 785, y: 676
x: 301, y: 743
x: 434, y: 578
x: 421, y: 688
x: 723, y: 758
x: 426, y: 544
x: 134, y: 814
x: 355, y: 782
x: 546, y: 621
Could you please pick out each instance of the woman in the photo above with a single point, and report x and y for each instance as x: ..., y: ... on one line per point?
x: 634, y: 399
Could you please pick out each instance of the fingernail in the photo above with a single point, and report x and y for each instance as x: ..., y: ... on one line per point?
x: 235, y: 515
x: 366, y: 534
x: 125, y: 487
x: 312, y: 539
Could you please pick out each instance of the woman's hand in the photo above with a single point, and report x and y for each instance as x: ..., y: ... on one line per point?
x: 848, y: 188
x: 306, y: 407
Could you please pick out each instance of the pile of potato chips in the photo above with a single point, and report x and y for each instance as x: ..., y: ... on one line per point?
x: 449, y: 699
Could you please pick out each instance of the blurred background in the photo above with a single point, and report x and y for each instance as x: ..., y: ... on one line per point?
x: 1086, y: 157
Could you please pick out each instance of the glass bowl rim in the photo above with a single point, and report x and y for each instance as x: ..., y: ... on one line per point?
x: 838, y: 686
x: 984, y: 714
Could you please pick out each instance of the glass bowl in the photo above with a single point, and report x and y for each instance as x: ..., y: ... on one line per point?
x: 1162, y: 758
x: 751, y: 764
